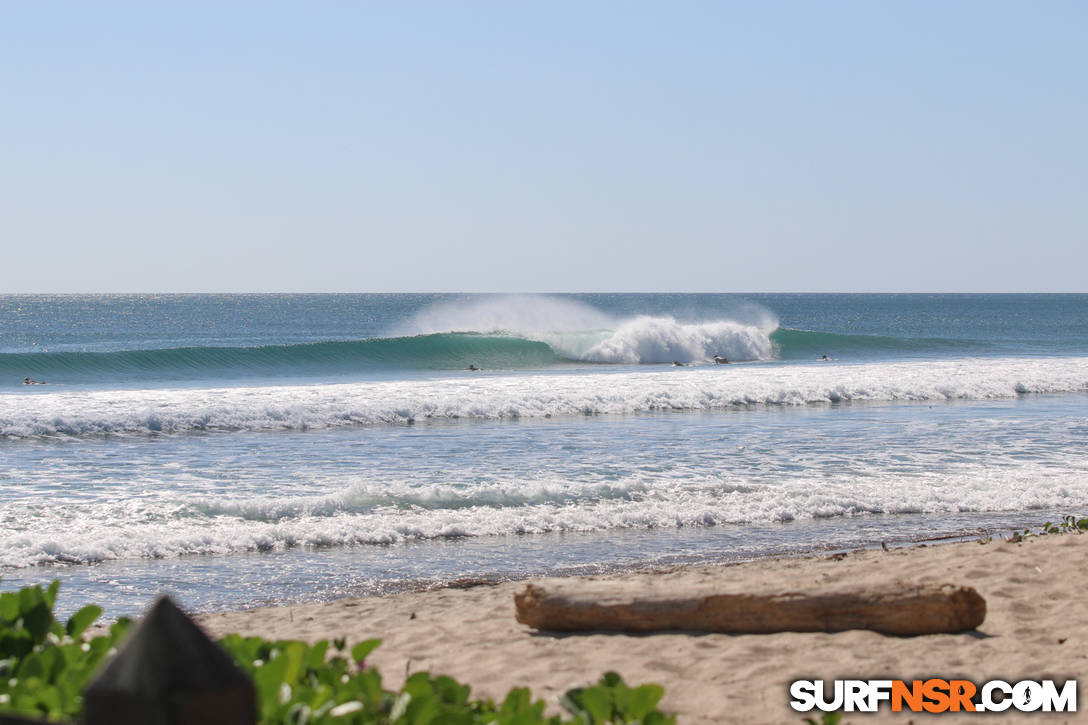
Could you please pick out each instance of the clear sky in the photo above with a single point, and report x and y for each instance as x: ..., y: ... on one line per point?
x: 544, y: 146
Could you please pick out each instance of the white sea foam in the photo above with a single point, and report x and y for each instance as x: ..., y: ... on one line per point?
x: 302, y: 407
x: 90, y: 532
x: 663, y: 339
x: 581, y: 332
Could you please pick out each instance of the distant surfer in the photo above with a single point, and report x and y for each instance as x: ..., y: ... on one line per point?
x: 679, y: 364
x: 471, y: 367
x: 718, y: 359
x: 28, y: 381
x: 825, y: 357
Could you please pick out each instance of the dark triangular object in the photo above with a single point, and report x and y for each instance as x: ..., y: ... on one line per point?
x: 168, y: 672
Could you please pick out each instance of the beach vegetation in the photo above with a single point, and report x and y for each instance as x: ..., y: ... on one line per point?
x: 1067, y: 525
x: 45, y: 665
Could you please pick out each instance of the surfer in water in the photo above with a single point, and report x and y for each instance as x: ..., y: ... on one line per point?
x: 28, y: 381
x: 719, y: 360
x: 472, y: 366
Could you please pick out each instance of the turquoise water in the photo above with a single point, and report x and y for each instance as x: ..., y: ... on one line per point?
x: 222, y: 338
x: 238, y: 450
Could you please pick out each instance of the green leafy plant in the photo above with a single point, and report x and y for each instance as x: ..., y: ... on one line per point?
x: 1067, y: 525
x: 612, y: 701
x: 45, y: 666
x: 301, y: 683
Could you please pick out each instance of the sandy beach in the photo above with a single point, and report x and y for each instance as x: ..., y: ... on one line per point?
x: 1036, y: 628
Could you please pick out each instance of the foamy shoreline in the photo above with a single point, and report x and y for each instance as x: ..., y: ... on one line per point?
x: 1036, y: 628
x: 91, y: 413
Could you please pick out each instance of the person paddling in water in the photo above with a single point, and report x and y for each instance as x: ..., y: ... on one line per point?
x: 720, y: 360
x: 472, y: 366
x: 28, y: 381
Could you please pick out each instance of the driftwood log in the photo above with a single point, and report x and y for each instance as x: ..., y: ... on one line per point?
x: 568, y: 605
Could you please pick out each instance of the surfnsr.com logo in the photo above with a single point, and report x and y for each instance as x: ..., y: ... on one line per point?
x: 934, y: 695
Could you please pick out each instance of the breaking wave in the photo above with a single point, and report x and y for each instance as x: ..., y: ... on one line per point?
x: 635, y: 341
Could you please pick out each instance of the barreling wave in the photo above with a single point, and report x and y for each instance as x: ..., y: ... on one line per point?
x: 639, y: 340
x: 80, y: 413
x: 435, y: 351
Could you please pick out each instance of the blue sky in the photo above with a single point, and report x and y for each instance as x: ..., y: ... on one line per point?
x: 530, y: 147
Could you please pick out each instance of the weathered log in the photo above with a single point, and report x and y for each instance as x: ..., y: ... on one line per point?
x: 565, y: 605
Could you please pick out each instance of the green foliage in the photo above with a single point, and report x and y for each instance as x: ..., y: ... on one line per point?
x: 301, y: 684
x: 45, y: 665
x: 297, y: 682
x: 1067, y: 525
x: 612, y: 701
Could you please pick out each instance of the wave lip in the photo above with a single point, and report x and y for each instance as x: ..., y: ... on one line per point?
x: 59, y: 413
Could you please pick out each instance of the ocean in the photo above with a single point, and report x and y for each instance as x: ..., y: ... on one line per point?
x: 244, y: 450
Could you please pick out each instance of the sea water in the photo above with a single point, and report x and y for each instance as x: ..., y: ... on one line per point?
x: 238, y: 450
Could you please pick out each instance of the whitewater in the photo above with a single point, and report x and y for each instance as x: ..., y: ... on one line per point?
x: 245, y: 449
x: 305, y: 407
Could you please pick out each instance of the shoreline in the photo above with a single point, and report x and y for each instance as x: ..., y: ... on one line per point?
x: 608, y: 571
x: 214, y: 583
x: 648, y: 567
x: 1036, y: 628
